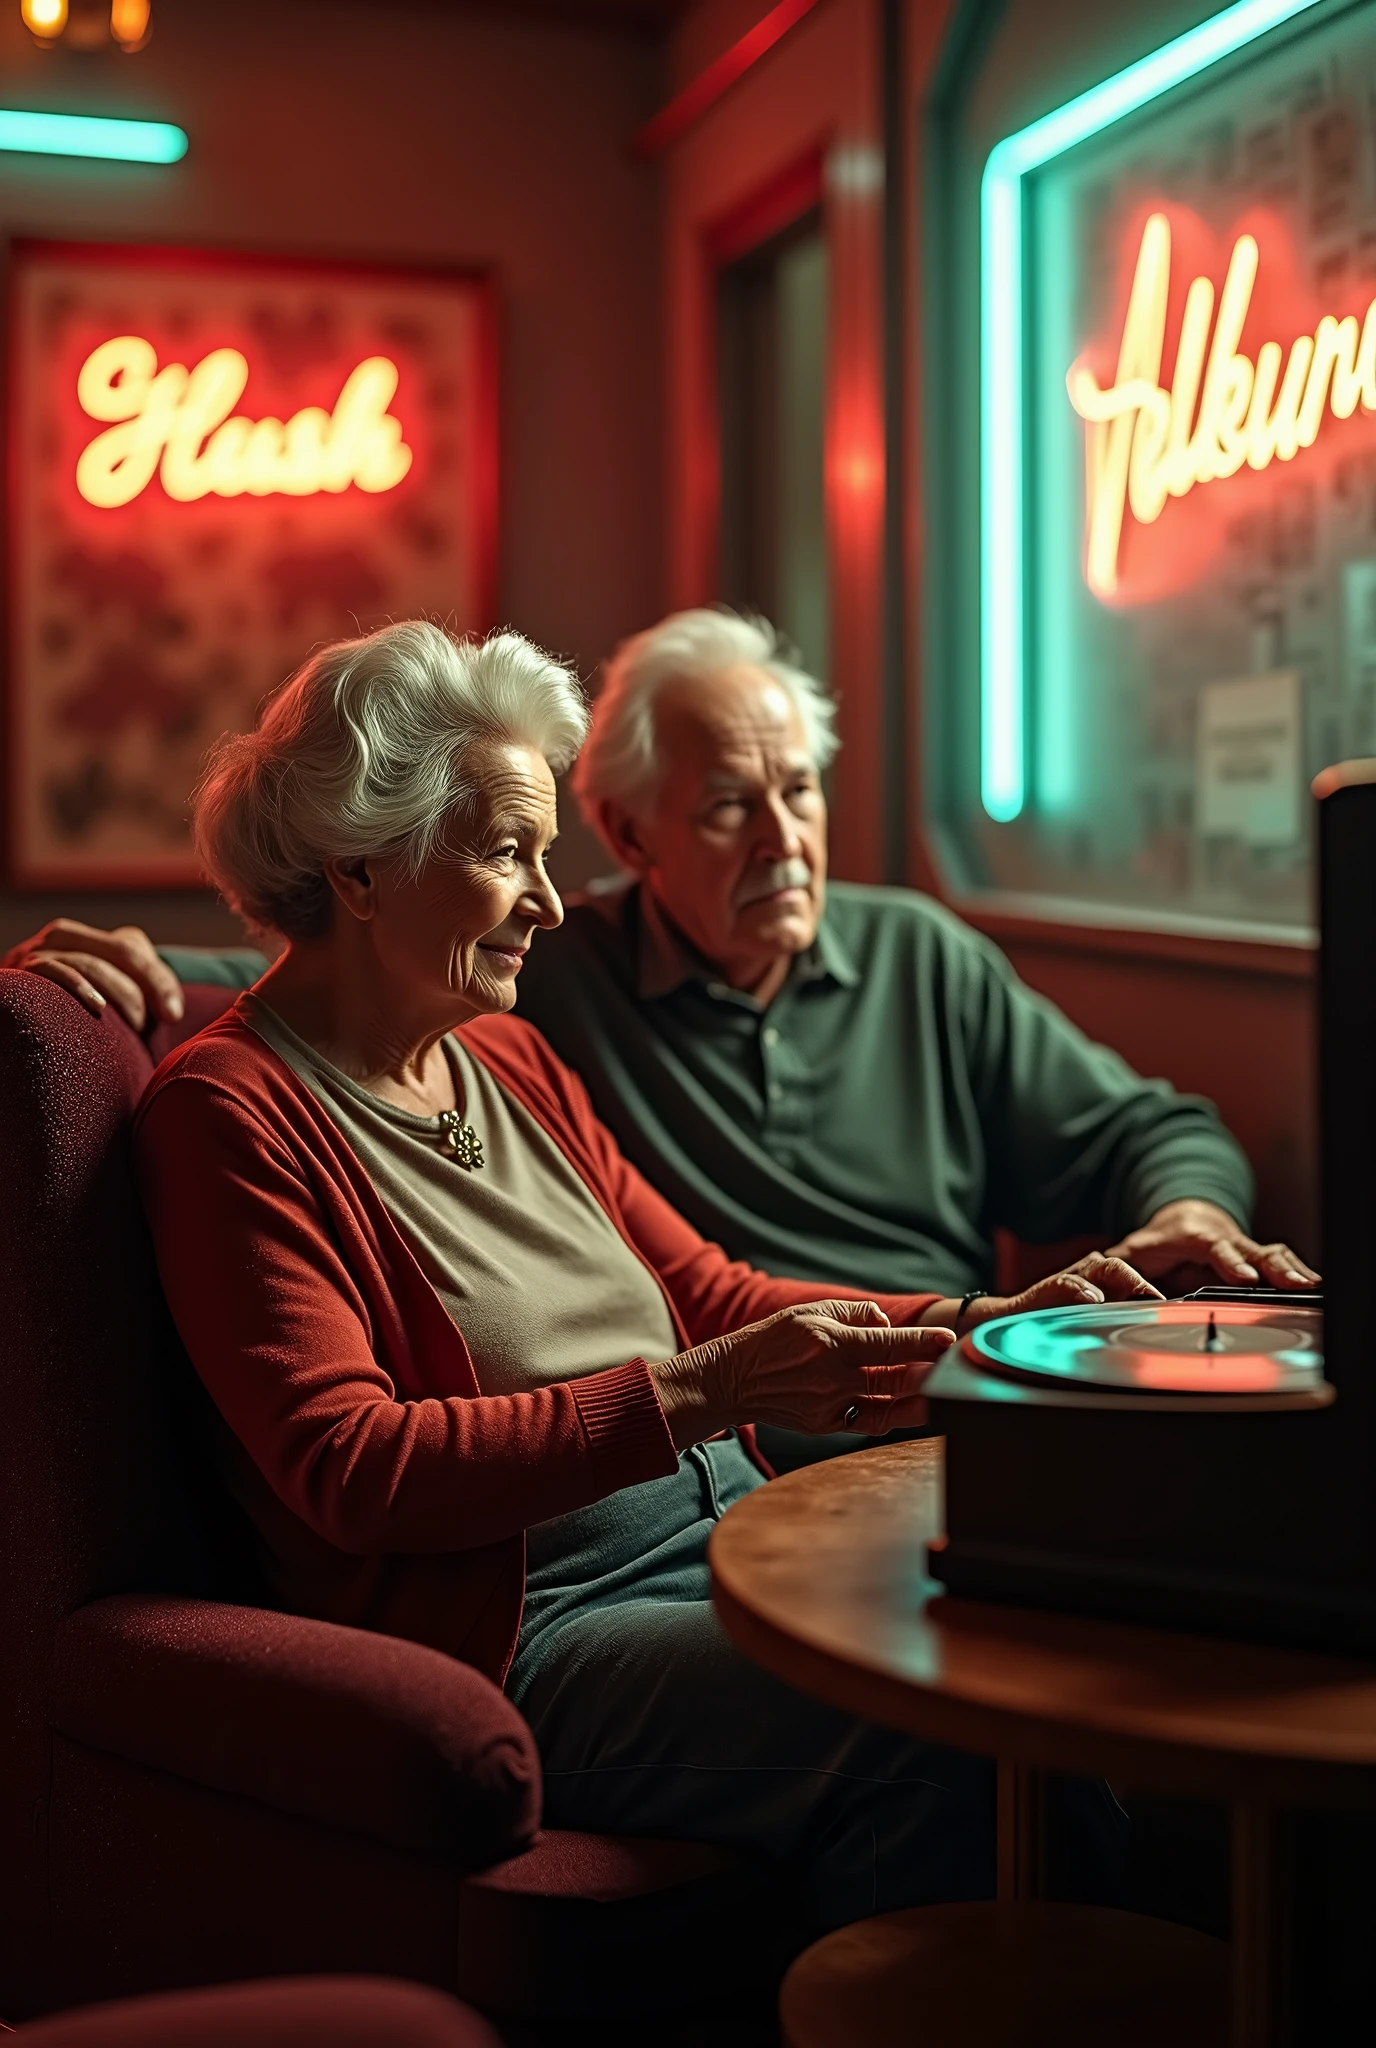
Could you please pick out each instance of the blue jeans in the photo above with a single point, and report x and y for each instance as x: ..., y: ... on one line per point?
x: 651, y: 1722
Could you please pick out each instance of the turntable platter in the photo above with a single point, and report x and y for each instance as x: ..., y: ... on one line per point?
x: 1159, y: 1347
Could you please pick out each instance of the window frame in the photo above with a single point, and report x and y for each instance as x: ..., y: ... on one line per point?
x: 951, y: 752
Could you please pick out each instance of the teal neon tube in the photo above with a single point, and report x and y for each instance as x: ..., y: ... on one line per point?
x: 92, y: 135
x: 1003, y: 742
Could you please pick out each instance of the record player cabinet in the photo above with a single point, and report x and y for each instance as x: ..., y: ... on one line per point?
x: 1240, y: 1515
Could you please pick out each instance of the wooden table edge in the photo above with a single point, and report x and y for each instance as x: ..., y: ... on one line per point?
x: 1169, y: 1763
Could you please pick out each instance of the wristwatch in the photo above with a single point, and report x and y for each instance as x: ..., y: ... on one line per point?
x: 975, y: 1294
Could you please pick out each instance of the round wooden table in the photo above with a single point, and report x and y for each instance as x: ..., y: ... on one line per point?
x: 821, y: 1577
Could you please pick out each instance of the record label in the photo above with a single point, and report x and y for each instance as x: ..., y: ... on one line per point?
x: 1158, y: 1347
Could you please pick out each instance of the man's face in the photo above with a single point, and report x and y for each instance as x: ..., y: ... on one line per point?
x: 733, y: 842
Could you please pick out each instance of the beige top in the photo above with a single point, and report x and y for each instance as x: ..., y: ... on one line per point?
x: 526, y: 1261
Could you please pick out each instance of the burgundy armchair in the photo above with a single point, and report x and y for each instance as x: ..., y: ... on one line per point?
x: 196, y: 1791
x: 330, y: 2012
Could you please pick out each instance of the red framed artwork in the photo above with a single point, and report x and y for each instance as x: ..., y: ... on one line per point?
x: 218, y: 463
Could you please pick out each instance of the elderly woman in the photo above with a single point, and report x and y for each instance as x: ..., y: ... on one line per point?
x: 477, y: 1383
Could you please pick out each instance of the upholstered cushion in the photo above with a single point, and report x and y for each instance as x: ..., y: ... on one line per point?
x: 158, y: 1884
x: 564, y: 1864
x: 78, y: 1464
x: 319, y: 2012
x: 359, y: 1731
x: 586, y: 1926
x: 204, y: 1003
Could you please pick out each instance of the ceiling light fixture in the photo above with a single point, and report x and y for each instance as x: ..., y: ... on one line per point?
x: 45, y: 19
x: 89, y: 24
x: 131, y: 23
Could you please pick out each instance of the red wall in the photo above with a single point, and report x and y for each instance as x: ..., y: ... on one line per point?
x: 411, y: 132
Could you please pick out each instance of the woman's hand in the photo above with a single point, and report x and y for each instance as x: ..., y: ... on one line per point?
x: 1097, y: 1277
x: 822, y: 1366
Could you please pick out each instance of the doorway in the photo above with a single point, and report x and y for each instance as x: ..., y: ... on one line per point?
x: 772, y: 383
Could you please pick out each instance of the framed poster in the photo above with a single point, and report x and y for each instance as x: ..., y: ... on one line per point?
x: 218, y: 463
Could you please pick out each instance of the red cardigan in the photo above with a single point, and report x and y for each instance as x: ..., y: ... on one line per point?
x: 385, y: 1490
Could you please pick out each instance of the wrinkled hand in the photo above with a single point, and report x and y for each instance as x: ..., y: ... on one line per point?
x: 1200, y: 1242
x: 818, y: 1367
x: 1101, y: 1276
x: 120, y: 967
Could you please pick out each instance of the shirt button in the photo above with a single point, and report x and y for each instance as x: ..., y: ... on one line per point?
x: 717, y: 989
x: 770, y: 1035
x: 775, y: 1091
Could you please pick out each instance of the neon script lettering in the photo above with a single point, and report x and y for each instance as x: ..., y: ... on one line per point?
x: 1144, y: 444
x: 180, y: 425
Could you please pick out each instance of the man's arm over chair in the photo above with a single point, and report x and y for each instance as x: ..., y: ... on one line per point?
x: 124, y: 968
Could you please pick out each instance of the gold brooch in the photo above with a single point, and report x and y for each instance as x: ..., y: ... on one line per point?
x: 461, y: 1141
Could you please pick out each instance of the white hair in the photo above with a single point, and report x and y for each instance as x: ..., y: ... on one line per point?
x: 620, y: 758
x: 365, y: 751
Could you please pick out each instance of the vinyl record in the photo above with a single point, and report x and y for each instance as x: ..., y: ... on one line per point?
x: 1158, y: 1347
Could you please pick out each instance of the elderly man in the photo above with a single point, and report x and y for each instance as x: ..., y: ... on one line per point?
x: 832, y: 1081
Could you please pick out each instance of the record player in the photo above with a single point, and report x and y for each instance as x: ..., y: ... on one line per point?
x: 1209, y: 1462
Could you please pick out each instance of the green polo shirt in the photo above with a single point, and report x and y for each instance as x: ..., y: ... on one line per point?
x: 902, y: 1096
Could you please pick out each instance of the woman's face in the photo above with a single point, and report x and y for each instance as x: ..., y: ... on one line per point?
x: 461, y: 928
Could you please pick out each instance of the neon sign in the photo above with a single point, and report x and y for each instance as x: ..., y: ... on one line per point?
x: 94, y: 135
x: 180, y: 425
x: 1003, y: 341
x: 1145, y: 444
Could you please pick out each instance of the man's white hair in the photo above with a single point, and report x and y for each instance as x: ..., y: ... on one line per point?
x: 366, y: 751
x: 620, y: 759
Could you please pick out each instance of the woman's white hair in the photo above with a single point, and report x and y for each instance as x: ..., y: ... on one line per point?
x: 365, y: 750
x: 620, y: 759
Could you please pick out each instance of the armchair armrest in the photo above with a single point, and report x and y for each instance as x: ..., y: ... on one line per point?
x: 360, y: 1731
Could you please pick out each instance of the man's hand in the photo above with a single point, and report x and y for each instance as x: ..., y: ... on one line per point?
x: 1201, y: 1243
x: 1095, y: 1278
x: 120, y: 967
